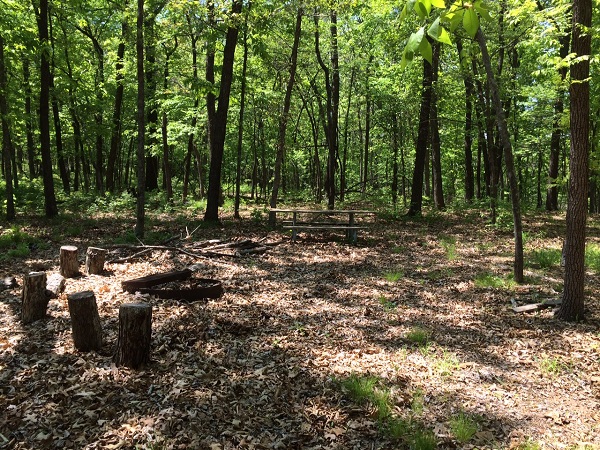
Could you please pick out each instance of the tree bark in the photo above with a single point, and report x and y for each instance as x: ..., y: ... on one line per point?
x: 469, y: 91
x: 436, y: 152
x: 219, y: 128
x: 94, y: 260
x: 238, y: 168
x: 508, y: 157
x: 85, y: 321
x: 283, y: 119
x: 34, y: 300
x: 29, y: 121
x: 69, y: 265
x: 135, y: 334
x: 45, y: 75
x: 7, y: 147
x: 115, y: 139
x: 141, y: 129
x: 416, y: 195
x: 572, y: 307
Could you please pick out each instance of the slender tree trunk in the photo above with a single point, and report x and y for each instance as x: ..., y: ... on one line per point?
x: 508, y: 157
x: 283, y: 119
x: 141, y: 126
x: 469, y: 92
x: 367, y: 145
x: 29, y: 121
x: 238, y: 168
x: 219, y: 128
x: 395, y: 146
x: 45, y: 75
x: 572, y: 307
x: 7, y: 147
x: 555, y: 140
x: 436, y: 152
x: 343, y: 183
x: 168, y: 182
x: 416, y: 196
x: 115, y: 139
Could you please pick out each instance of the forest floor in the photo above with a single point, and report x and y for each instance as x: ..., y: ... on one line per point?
x: 405, y: 340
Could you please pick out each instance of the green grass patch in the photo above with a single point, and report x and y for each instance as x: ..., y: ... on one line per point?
x: 592, y: 257
x: 447, y: 364
x: 448, y: 243
x: 418, y: 335
x: 552, y: 366
x: 488, y: 280
x: 393, y: 277
x: 463, y: 427
x: 545, y: 258
x: 387, y: 304
x: 15, y: 243
x: 417, y: 404
x: 423, y: 439
x: 529, y: 445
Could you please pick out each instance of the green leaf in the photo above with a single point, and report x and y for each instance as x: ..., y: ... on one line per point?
x: 439, y: 4
x: 471, y: 22
x: 404, y: 13
x: 455, y: 19
x: 423, y: 8
x: 439, y: 33
x: 414, y: 41
x: 426, y: 51
x: 407, y: 58
x: 483, y: 9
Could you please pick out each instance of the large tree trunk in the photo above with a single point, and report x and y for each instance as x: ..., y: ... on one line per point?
x: 219, y: 128
x: 416, y: 195
x: 7, y: 149
x: 141, y: 129
x: 572, y: 307
x: 45, y: 83
x: 283, y: 119
x: 508, y: 157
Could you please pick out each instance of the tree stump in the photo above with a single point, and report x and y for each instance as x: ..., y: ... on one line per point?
x: 85, y: 321
x: 135, y: 331
x: 94, y: 260
x: 69, y: 266
x: 55, y: 284
x: 34, y: 300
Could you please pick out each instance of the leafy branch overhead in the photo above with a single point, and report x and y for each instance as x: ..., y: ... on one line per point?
x: 448, y: 21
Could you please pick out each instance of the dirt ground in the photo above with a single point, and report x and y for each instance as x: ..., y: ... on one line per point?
x: 263, y: 367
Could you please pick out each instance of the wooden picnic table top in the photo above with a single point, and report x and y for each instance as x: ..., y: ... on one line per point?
x: 322, y: 211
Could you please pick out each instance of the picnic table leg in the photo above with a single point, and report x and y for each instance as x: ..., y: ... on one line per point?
x: 351, y: 235
x: 294, y: 231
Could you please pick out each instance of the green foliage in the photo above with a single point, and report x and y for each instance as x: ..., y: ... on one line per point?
x: 387, y: 304
x: 15, y: 243
x: 488, y: 280
x: 463, y: 427
x: 417, y: 403
x: 448, y: 243
x: 546, y: 258
x: 592, y: 257
x: 360, y: 388
x: 447, y: 364
x: 423, y: 439
x: 529, y: 445
x: 393, y: 277
x: 418, y: 335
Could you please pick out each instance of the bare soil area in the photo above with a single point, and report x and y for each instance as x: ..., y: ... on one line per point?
x: 265, y: 366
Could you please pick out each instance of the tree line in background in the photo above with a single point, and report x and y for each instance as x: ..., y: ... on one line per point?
x: 319, y: 99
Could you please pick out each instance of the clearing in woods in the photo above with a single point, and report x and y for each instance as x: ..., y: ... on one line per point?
x: 405, y: 340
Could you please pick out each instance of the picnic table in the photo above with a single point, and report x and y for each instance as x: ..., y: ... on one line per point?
x: 323, y: 219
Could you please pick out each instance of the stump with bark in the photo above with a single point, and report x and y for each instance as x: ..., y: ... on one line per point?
x: 34, y: 300
x: 85, y: 321
x: 135, y: 332
x: 94, y: 260
x: 55, y: 284
x: 69, y: 265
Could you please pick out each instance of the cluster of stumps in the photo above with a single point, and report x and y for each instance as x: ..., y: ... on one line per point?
x: 135, y: 319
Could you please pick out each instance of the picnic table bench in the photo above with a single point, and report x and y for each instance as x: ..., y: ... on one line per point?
x: 323, y: 219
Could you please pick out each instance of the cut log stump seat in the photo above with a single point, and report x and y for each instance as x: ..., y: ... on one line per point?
x: 135, y: 333
x: 34, y: 299
x: 94, y: 260
x: 69, y: 265
x: 85, y: 321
